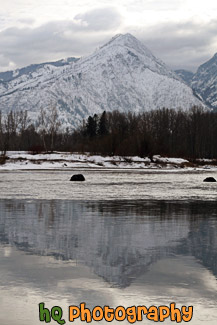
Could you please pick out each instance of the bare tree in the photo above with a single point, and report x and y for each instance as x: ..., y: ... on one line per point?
x: 48, y: 126
x: 54, y: 126
x: 2, y: 136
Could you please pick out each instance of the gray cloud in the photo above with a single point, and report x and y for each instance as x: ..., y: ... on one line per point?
x: 57, y: 39
x: 182, y: 45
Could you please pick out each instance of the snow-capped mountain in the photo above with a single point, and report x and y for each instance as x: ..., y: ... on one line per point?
x: 205, y: 81
x: 123, y: 74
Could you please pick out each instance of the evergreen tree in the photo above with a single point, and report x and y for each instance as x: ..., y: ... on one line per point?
x: 103, y: 124
x: 91, y: 126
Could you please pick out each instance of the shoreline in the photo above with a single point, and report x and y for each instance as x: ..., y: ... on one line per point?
x: 20, y: 160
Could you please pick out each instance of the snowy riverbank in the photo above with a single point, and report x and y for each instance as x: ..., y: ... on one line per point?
x: 58, y: 160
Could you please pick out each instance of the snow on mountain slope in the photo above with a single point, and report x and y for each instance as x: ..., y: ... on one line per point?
x: 205, y: 81
x: 123, y: 74
x: 10, y: 75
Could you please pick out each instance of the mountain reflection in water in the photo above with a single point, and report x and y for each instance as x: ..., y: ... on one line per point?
x: 118, y: 240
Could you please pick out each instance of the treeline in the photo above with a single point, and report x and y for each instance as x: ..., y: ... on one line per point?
x: 167, y: 132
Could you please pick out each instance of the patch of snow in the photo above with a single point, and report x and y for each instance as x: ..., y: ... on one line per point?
x: 169, y: 160
x: 63, y: 160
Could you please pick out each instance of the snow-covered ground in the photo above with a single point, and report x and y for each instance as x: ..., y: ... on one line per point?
x: 23, y: 160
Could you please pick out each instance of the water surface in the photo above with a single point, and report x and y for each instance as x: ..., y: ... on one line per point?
x: 108, y: 185
x: 129, y: 238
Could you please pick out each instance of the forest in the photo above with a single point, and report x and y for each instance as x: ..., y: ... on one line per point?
x: 188, y: 134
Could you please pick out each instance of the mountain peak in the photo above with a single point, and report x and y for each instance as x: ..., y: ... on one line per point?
x: 121, y: 39
x: 134, y: 53
x: 126, y: 37
x: 128, y: 45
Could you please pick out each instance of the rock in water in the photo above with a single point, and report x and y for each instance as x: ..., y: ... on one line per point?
x: 209, y: 179
x: 77, y: 178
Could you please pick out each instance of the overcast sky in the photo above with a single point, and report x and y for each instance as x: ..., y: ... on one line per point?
x: 183, y: 33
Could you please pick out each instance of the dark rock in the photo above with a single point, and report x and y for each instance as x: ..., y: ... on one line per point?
x: 209, y: 179
x: 77, y: 178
